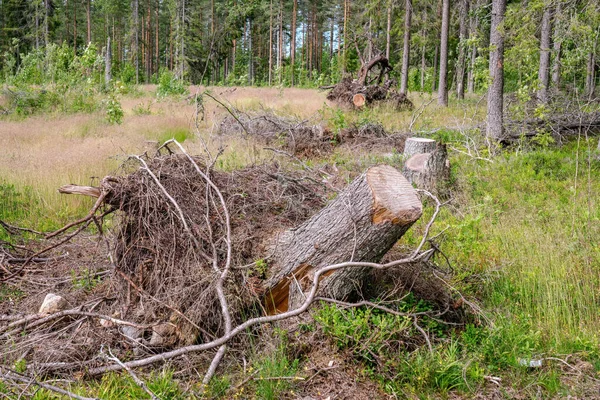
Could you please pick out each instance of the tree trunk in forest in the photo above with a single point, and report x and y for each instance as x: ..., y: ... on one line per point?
x: 494, y: 121
x: 462, y: 49
x: 388, y: 30
x: 426, y: 165
x: 271, y: 43
x: 557, y: 47
x: 443, y: 89
x: 107, y: 63
x: 345, y: 55
x: 250, y: 62
x: 406, y: 50
x: 46, y: 24
x: 293, y: 39
x: 471, y: 75
x: 361, y: 224
x: 89, y: 21
x: 544, y: 70
x: 75, y: 26
x: 280, y: 44
x: 136, y: 41
x: 434, y: 75
x: 422, y: 68
x: 590, y: 80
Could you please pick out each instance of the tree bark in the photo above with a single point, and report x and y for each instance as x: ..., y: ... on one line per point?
x: 406, y: 50
x: 136, y: 41
x: 435, y: 67
x: 557, y: 47
x: 361, y: 224
x: 89, y: 21
x: 590, y: 84
x: 417, y: 145
x: 462, y: 49
x: 443, y: 89
x: 544, y: 70
x: 426, y: 165
x: 293, y: 41
x: 388, y: 30
x: 270, y: 42
x: 494, y: 121
x: 280, y: 44
x: 108, y: 63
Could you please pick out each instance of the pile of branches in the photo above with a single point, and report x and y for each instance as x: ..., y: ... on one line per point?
x: 302, y: 138
x: 559, y: 126
x: 180, y: 228
x: 176, y: 255
x: 562, y: 116
x: 298, y: 137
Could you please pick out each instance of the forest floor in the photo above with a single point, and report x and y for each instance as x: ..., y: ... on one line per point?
x: 520, y: 235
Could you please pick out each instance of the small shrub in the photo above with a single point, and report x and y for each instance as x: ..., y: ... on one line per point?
x: 114, y: 112
x: 169, y: 85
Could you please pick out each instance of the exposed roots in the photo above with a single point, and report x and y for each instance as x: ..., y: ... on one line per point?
x: 351, y: 93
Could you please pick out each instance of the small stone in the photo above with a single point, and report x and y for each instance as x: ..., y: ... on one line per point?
x: 52, y: 303
x: 106, y: 323
x: 163, y: 335
x: 132, y: 332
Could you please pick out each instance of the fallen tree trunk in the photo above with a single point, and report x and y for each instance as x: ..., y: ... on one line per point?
x: 361, y: 224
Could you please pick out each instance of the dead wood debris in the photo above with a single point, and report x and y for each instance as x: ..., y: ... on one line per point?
x: 306, y: 138
x: 171, y: 240
x: 351, y: 93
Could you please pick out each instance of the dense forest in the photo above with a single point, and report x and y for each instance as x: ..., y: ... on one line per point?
x: 308, y: 43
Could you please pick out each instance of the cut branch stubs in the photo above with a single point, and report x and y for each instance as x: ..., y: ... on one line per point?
x: 361, y: 224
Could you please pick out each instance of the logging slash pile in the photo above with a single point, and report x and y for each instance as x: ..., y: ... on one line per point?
x: 165, y: 266
x: 176, y: 262
x: 304, y: 138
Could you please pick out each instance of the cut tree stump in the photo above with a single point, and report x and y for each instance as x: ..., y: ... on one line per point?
x: 427, y: 165
x: 359, y: 100
x: 417, y: 145
x: 361, y: 224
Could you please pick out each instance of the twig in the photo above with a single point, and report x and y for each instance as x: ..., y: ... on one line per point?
x: 419, y: 112
x: 34, y: 320
x: 136, y: 379
x: 229, y: 111
x: 9, y: 374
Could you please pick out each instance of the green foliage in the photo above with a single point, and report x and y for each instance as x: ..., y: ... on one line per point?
x: 271, y: 367
x: 169, y: 85
x: 114, y: 112
x: 178, y: 134
x: 85, y: 279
